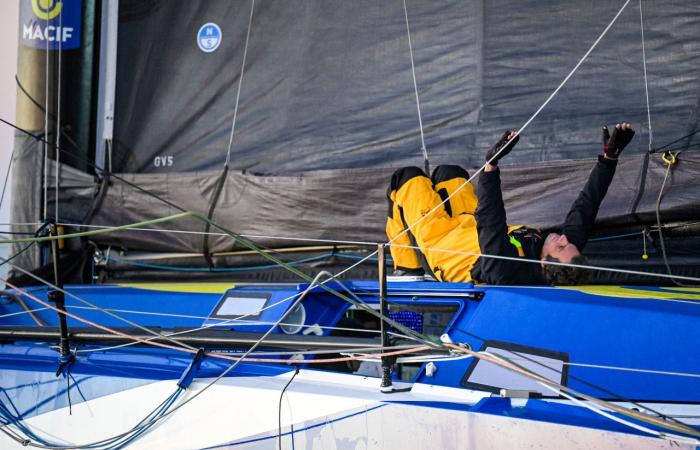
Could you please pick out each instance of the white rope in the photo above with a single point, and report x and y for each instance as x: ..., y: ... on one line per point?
x: 19, y: 313
x: 600, y: 411
x: 646, y: 83
x: 554, y: 263
x: 58, y: 120
x: 415, y: 89
x: 618, y: 368
x: 46, y: 129
x: 211, y: 233
x: 522, y: 128
x: 240, y: 82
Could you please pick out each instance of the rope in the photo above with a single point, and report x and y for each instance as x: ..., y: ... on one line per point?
x: 58, y: 121
x: 102, y: 230
x: 646, y: 83
x: 415, y: 89
x: 535, y: 261
x: 240, y: 82
x: 46, y: 128
x: 7, y: 177
x: 249, y: 236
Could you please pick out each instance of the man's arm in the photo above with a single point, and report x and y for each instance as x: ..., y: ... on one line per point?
x: 580, y: 219
x: 579, y: 222
x: 491, y: 223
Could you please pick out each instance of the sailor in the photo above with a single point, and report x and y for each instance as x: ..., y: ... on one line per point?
x: 453, y: 236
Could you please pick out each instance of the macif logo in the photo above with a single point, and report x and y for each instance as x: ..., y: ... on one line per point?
x: 47, y: 9
x: 51, y: 24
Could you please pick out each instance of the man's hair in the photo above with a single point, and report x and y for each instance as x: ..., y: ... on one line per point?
x: 565, y: 275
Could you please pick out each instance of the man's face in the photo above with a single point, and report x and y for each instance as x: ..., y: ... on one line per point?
x: 558, y: 246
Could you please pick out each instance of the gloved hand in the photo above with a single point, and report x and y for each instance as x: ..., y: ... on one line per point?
x: 621, y: 136
x: 501, y: 142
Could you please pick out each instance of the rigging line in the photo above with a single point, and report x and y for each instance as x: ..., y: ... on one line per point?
x: 101, y: 231
x: 17, y: 299
x: 415, y: 89
x: 7, y: 177
x: 102, y: 310
x: 683, y: 147
x: 646, y: 83
x: 504, y: 362
x: 658, y: 223
x: 41, y: 108
x: 680, y: 139
x: 97, y: 167
x: 622, y: 369
x: 600, y: 411
x: 211, y: 233
x: 240, y: 82
x: 522, y: 128
x: 279, y: 416
x: 20, y: 313
x: 554, y: 263
x: 219, y: 269
x: 46, y: 128
x: 58, y: 121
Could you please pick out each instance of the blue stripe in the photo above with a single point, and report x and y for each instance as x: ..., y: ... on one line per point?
x: 439, y: 405
x: 232, y: 444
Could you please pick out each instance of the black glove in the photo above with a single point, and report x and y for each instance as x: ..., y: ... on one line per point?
x: 621, y: 136
x: 500, y: 145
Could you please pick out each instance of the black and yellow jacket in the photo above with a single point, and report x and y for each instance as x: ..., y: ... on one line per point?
x: 495, y: 239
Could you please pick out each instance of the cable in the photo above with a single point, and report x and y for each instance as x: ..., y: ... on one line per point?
x: 279, y: 415
x: 679, y: 139
x: 646, y: 83
x: 669, y: 165
x: 240, y: 82
x: 535, y: 261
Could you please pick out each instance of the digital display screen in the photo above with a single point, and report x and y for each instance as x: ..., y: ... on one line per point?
x: 236, y: 305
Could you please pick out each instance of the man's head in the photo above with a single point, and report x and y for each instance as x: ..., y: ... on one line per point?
x: 557, y: 248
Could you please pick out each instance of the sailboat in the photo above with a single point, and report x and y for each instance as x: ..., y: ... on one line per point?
x: 198, y: 255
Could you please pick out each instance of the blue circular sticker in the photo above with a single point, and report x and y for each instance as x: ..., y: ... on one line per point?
x: 209, y: 37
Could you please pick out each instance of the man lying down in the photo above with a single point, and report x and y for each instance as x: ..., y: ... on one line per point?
x: 454, y: 235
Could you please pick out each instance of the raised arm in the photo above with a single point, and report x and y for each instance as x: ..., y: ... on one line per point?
x: 580, y: 219
x: 491, y: 221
